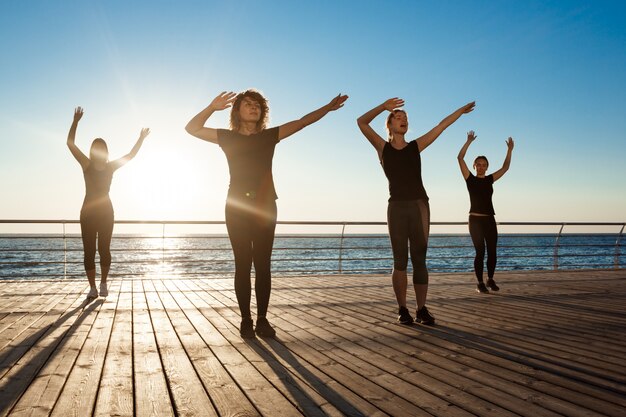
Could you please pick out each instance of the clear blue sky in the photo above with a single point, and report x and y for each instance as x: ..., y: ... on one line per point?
x: 551, y: 74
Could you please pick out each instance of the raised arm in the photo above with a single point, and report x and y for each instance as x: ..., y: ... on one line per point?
x: 288, y: 129
x: 82, y: 159
x: 120, y: 162
x: 461, y: 157
x: 364, y: 122
x: 196, y: 128
x: 507, y: 160
x: 424, y: 141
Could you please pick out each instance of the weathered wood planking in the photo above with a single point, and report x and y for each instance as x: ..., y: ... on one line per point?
x: 548, y: 344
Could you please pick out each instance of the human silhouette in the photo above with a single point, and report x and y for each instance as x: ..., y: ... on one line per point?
x: 96, y: 214
x: 250, y: 210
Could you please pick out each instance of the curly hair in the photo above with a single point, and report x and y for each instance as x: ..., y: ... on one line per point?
x: 235, y: 119
x: 391, y: 114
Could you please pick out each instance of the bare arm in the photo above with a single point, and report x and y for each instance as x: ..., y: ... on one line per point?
x: 364, y: 122
x: 82, y: 159
x: 507, y: 160
x: 461, y: 157
x: 424, y: 141
x: 120, y: 162
x: 288, y: 129
x: 196, y: 128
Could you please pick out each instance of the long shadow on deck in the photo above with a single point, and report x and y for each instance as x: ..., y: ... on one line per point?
x: 19, y: 382
x: 330, y: 395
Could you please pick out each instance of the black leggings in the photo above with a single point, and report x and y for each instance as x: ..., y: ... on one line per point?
x: 96, y: 224
x: 483, y: 229
x: 409, y: 225
x: 251, y: 225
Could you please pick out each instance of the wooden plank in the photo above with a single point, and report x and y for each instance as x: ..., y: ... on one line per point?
x: 43, y: 392
x: 384, y: 400
x: 187, y: 392
x: 192, y: 327
x: 78, y: 397
x: 152, y: 397
x: 115, y: 396
x: 35, y: 351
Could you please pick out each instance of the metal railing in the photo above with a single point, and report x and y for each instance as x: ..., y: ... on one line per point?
x: 348, y: 250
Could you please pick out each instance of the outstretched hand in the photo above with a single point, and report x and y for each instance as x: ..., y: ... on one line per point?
x: 337, y: 102
x: 223, y: 101
x: 144, y: 132
x: 393, y: 103
x: 78, y: 113
x: 468, y: 107
x: 510, y: 143
x: 471, y: 136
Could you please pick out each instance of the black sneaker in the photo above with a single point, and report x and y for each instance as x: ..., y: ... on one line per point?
x: 247, y: 329
x: 263, y: 328
x: 492, y: 284
x: 481, y: 288
x: 404, y: 317
x: 423, y: 316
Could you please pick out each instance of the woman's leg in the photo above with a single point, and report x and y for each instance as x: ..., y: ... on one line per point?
x: 239, y: 233
x: 478, y: 239
x: 418, y: 237
x: 397, y: 222
x: 88, y: 233
x: 491, y: 237
x: 105, y: 233
x: 262, y: 244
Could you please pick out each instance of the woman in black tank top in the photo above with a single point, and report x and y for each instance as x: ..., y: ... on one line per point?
x: 482, y: 223
x: 250, y: 210
x: 408, y: 212
x: 96, y: 214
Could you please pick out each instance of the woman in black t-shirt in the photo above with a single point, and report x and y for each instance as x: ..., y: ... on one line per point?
x: 251, y: 203
x: 482, y: 223
x: 408, y: 212
x: 96, y: 215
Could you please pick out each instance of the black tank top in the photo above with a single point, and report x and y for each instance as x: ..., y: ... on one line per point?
x: 403, y: 169
x: 480, y: 191
x: 97, y: 186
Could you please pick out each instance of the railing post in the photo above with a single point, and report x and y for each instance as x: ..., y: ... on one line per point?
x: 162, y: 246
x: 64, y: 253
x: 556, y: 247
x: 616, y: 263
x: 343, y: 229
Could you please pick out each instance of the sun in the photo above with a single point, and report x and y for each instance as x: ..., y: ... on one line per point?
x: 166, y: 182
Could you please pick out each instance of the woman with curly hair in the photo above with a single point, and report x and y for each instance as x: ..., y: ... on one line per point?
x: 251, y: 202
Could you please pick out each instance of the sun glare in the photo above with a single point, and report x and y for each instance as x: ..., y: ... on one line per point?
x: 162, y: 184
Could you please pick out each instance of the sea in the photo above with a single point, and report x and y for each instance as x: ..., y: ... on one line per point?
x: 61, y: 257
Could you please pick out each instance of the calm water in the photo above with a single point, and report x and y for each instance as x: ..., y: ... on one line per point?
x: 211, y: 256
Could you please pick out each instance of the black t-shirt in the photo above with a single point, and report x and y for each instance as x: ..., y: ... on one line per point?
x: 480, y: 191
x: 250, y: 162
x: 403, y: 169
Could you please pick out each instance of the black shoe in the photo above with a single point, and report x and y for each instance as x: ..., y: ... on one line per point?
x: 263, y: 328
x: 423, y: 316
x: 492, y: 284
x: 404, y: 317
x: 481, y: 288
x: 247, y: 329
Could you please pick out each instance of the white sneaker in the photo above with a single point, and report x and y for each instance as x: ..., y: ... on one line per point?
x: 103, y: 289
x: 93, y: 293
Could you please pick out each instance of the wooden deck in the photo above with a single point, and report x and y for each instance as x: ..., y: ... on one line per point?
x: 548, y: 344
